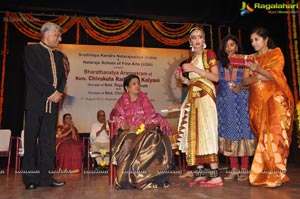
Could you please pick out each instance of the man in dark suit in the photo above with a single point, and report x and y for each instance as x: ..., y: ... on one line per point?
x: 45, y: 82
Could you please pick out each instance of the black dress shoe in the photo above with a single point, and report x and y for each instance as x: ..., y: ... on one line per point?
x: 57, y: 184
x: 30, y: 186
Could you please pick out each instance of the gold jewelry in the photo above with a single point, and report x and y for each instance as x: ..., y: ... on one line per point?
x: 54, y: 73
x: 184, y: 81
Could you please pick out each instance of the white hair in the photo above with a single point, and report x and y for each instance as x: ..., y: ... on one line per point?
x: 49, y: 26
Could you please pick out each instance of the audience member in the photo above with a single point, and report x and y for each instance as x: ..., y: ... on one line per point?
x: 69, y: 148
x: 99, y: 139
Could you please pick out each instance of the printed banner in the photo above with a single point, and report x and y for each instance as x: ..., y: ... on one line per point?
x: 95, y: 80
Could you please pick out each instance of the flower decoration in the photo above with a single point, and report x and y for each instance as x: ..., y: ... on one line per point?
x: 103, y: 163
x: 297, y: 120
x: 140, y: 129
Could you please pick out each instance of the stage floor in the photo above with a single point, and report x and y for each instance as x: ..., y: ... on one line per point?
x: 95, y: 185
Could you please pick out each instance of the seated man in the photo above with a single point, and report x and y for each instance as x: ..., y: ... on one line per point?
x: 99, y: 138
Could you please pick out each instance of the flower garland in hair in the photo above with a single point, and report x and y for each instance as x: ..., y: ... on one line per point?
x: 140, y: 129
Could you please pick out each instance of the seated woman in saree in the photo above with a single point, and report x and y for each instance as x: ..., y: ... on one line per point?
x: 69, y: 150
x: 141, y: 148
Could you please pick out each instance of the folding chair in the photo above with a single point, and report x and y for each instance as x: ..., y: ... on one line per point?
x: 86, y: 145
x: 19, y: 151
x: 5, y: 146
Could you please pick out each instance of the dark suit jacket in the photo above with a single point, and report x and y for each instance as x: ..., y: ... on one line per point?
x: 39, y: 77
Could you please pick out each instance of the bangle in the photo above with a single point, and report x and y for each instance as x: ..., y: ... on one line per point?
x: 184, y: 81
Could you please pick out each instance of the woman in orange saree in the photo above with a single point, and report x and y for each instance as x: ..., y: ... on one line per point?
x: 271, y: 111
